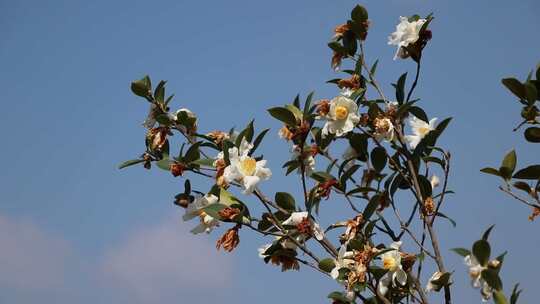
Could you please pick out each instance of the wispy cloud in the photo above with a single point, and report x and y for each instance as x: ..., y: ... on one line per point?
x: 32, y: 261
x: 155, y: 264
x: 164, y: 262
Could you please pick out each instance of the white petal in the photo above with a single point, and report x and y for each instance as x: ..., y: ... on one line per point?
x: 250, y: 182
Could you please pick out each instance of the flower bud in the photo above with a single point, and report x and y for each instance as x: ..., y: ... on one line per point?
x: 177, y: 169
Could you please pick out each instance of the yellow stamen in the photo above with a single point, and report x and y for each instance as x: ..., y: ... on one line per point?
x: 389, y: 263
x: 248, y: 166
x: 341, y: 112
x: 423, y: 130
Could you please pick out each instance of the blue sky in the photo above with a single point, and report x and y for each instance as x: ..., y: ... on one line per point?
x: 76, y: 229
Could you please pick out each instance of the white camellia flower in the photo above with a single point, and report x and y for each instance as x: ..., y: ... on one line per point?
x: 406, y: 33
x: 342, y: 117
x: 244, y: 149
x: 195, y: 209
x: 420, y: 129
x: 309, y: 160
x: 345, y: 259
x: 475, y: 272
x: 298, y: 217
x: 392, y: 262
x: 245, y: 169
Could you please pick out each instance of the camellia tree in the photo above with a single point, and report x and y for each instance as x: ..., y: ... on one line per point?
x: 390, y: 152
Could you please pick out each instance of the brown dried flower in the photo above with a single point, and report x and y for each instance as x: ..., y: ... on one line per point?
x: 429, y: 206
x: 177, y: 169
x: 285, y: 133
x: 157, y: 137
x: 229, y: 240
x: 323, y: 107
x: 286, y: 262
x: 351, y: 83
x: 336, y: 60
x: 229, y: 213
x: 534, y: 214
x: 304, y: 226
x: 218, y: 137
x: 341, y: 29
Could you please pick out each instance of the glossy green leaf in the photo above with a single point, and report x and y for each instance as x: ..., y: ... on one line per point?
x: 359, y: 14
x: 492, y: 278
x: 130, y: 163
x: 285, y: 201
x: 532, y: 134
x: 515, y: 86
x: 530, y: 172
x: 284, y: 115
x: 327, y: 264
x: 508, y: 164
x: 378, y: 158
x: 461, y: 251
x: 491, y: 171
x: 481, y: 251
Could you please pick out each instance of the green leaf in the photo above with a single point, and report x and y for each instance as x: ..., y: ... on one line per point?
x: 307, y: 104
x: 515, y: 86
x: 165, y: 164
x: 491, y: 171
x: 481, y: 251
x: 258, y: 141
x: 446, y: 217
x: 141, y: 87
x: 214, y: 209
x: 492, y: 278
x: 284, y: 115
x: 285, y: 201
x: 339, y: 297
x: 515, y: 292
x: 499, y: 298
x: 327, y: 264
x: 130, y: 163
x: 532, y: 134
x: 359, y: 14
x: 296, y: 111
x: 345, y: 176
x: 531, y: 94
x: 374, y: 67
x: 371, y: 207
x: 530, y: 172
x: 508, y: 164
x: 247, y: 133
x: 159, y: 93
x: 418, y: 112
x: 461, y: 251
x: 523, y: 186
x: 192, y: 153
x: 400, y: 88
x: 378, y: 158
x: 359, y: 143
x: 485, y: 236
x: 322, y: 176
x: 207, y: 162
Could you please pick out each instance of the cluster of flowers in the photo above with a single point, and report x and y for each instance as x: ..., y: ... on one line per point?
x: 357, y: 263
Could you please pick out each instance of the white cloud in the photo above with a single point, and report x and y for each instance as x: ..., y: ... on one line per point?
x: 164, y: 262
x: 156, y: 264
x: 31, y: 261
